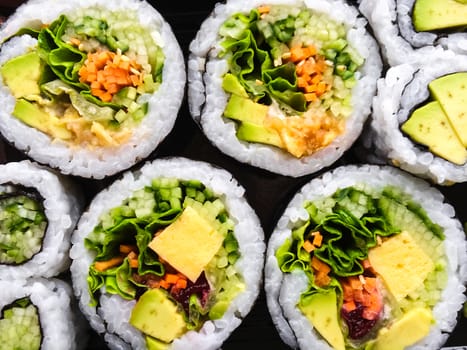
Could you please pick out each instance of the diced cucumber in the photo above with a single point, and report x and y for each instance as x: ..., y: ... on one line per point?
x: 403, y: 219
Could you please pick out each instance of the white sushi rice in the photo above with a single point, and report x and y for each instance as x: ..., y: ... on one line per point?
x: 62, y: 208
x: 207, y: 99
x: 112, y: 315
x: 63, y: 327
x: 391, y: 21
x: 163, y: 106
x: 283, y: 290
x: 402, y: 89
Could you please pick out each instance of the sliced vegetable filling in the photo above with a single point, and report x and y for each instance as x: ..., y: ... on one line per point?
x: 375, y: 262
x: 22, y: 224
x: 171, y: 247
x: 299, y: 64
x: 20, y: 326
x: 85, y: 81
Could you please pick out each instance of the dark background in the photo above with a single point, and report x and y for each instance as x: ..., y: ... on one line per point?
x: 267, y: 193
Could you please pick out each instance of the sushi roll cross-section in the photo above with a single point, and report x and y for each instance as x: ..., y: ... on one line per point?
x: 39, y: 209
x: 91, y: 84
x: 284, y: 85
x: 40, y: 314
x: 168, y: 258
x: 408, y: 29
x: 418, y: 121
x: 366, y: 257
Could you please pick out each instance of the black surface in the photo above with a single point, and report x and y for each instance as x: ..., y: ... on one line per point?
x: 267, y: 193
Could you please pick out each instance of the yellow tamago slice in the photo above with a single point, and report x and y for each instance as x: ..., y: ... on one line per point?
x: 188, y: 244
x: 401, y: 263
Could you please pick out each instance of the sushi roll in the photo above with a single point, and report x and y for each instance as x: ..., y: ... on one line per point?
x: 40, y: 314
x: 89, y: 87
x: 284, y: 85
x: 405, y: 28
x: 38, y: 213
x: 366, y: 257
x: 417, y: 122
x: 168, y: 257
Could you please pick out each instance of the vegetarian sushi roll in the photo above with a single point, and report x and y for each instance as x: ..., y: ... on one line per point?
x: 284, y: 85
x: 89, y: 87
x: 40, y: 314
x: 38, y: 213
x: 417, y: 121
x: 366, y: 257
x: 168, y: 257
x: 405, y: 27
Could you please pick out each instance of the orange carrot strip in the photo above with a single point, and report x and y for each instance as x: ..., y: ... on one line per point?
x: 264, y: 9
x: 308, y: 246
x: 311, y: 97
x: 171, y: 278
x: 107, y: 264
x: 317, y: 239
x: 127, y: 248
x: 133, y: 259
x: 181, y: 283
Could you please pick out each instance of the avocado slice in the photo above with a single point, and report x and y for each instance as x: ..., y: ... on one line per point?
x: 22, y: 74
x: 243, y: 109
x: 451, y: 92
x: 32, y: 115
x: 157, y: 316
x: 321, y: 310
x: 429, y: 126
x: 439, y: 14
x: 412, y: 327
x: 257, y: 133
x: 251, y: 116
x: 155, y: 344
x: 231, y: 84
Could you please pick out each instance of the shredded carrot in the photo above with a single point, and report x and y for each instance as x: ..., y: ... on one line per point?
x: 108, y: 72
x: 349, y: 306
x: 321, y: 272
x: 181, y: 283
x: 310, y: 66
x: 308, y: 246
x: 319, y: 265
x: 317, y: 239
x: 107, y: 264
x: 127, y: 248
x: 264, y: 9
x: 364, y: 291
x: 164, y: 284
x: 171, y: 278
x: 133, y: 259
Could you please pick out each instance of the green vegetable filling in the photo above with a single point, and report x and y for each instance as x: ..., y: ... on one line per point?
x: 125, y: 232
x: 20, y: 327
x: 22, y: 226
x: 258, y: 48
x: 348, y: 244
x: 74, y: 94
x: 295, y: 69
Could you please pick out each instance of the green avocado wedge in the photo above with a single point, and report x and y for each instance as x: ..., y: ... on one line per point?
x: 451, y: 92
x: 431, y: 15
x: 429, y: 126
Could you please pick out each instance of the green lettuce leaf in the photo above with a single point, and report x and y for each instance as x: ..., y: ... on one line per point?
x: 251, y: 60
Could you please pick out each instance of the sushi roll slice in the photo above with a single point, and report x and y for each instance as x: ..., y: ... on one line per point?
x: 89, y: 87
x: 405, y: 28
x: 40, y: 314
x: 417, y: 122
x: 366, y: 257
x: 38, y: 213
x: 284, y: 85
x: 168, y: 257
